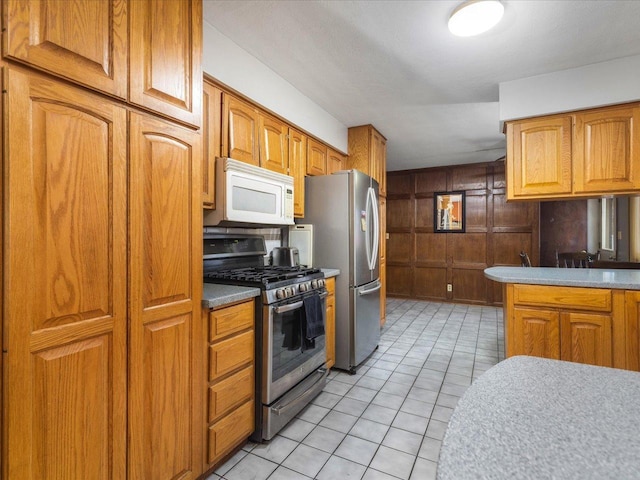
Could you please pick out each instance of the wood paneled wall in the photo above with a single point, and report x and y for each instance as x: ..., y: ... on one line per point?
x: 563, y: 227
x: 421, y: 262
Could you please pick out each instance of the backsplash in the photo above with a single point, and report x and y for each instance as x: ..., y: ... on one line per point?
x: 274, y: 237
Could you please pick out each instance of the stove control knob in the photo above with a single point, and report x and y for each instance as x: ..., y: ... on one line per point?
x: 291, y: 291
x: 314, y: 283
x: 304, y: 287
x: 321, y: 282
x: 280, y: 294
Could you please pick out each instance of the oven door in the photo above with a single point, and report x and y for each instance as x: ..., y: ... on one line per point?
x: 286, y: 362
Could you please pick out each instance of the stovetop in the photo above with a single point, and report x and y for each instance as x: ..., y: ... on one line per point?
x: 266, y: 277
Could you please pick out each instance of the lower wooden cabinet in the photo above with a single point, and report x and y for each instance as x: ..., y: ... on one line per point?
x: 632, y: 337
x: 330, y: 324
x: 231, y: 379
x: 584, y: 325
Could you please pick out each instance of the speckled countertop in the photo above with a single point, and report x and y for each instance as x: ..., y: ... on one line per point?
x: 533, y: 418
x: 570, y: 277
x: 215, y: 295
x: 330, y: 272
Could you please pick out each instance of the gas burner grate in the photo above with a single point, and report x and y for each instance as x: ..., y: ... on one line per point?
x: 263, y: 275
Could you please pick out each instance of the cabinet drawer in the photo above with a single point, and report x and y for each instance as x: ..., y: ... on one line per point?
x: 229, y: 354
x: 576, y: 298
x: 228, y: 320
x: 229, y: 393
x: 227, y: 434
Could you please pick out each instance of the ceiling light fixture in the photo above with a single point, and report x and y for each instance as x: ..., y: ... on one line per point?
x: 475, y: 16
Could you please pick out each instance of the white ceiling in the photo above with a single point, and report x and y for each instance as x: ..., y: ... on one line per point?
x: 395, y: 65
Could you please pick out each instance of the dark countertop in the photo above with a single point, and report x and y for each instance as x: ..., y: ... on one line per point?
x: 534, y: 418
x: 568, y: 277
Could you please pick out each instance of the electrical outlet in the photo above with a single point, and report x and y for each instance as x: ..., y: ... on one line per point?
x: 449, y: 287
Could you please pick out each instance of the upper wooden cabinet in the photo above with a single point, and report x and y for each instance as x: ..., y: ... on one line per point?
x: 316, y: 158
x: 297, y: 168
x: 240, y: 130
x: 335, y: 161
x: 90, y: 42
x: 368, y: 153
x: 165, y: 57
x: 539, y: 157
x: 587, y: 153
x: 606, y: 153
x: 274, y: 144
x: 84, y: 41
x: 211, y: 141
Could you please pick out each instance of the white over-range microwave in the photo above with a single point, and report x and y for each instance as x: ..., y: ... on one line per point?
x: 250, y: 195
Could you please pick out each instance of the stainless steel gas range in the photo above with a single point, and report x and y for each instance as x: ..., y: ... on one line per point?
x: 290, y: 345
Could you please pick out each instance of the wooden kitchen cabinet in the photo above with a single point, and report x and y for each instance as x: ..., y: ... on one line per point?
x: 165, y: 268
x: 65, y: 301
x: 230, y: 380
x: 585, y: 153
x: 274, y: 144
x: 632, y: 306
x: 240, y: 130
x: 383, y: 259
x: 335, y: 161
x: 539, y: 157
x: 83, y: 41
x: 330, y: 323
x: 584, y: 325
x: 368, y: 153
x: 165, y: 52
x: 297, y: 168
x: 316, y: 157
x: 606, y: 153
x: 211, y: 141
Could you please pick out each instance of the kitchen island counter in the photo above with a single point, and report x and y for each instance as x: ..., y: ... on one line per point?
x: 533, y: 418
x: 216, y: 295
x: 618, y: 279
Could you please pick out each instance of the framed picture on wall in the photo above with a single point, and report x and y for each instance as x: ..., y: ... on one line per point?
x: 448, y: 212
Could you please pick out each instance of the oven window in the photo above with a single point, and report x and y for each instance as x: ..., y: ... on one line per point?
x: 289, y: 349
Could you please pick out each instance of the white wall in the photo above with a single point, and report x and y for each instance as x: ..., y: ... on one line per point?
x: 605, y: 83
x: 235, y: 67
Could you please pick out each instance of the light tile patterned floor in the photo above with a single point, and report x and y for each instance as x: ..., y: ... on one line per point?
x: 387, y: 421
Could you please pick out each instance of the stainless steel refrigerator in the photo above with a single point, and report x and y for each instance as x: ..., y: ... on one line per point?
x: 343, y: 209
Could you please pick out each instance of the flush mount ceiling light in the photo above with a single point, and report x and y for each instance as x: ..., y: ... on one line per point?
x: 475, y: 16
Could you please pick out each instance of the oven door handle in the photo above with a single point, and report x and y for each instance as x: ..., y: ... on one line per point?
x: 308, y: 393
x: 294, y: 306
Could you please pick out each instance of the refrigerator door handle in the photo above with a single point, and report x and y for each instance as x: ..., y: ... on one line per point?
x: 371, y: 290
x: 372, y: 212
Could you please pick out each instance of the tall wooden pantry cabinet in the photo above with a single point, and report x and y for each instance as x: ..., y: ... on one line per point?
x: 101, y: 251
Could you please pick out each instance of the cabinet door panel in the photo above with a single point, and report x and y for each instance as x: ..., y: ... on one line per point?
x: 316, y: 158
x: 335, y: 161
x: 274, y: 146
x: 298, y: 167
x: 536, y: 333
x: 586, y: 338
x: 65, y: 296
x: 240, y: 131
x: 165, y: 51
x: 539, y: 157
x: 84, y: 41
x: 632, y: 325
x: 607, y: 150
x: 165, y: 270
x: 211, y: 141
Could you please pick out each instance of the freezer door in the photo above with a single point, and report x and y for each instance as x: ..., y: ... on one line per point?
x: 366, y: 302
